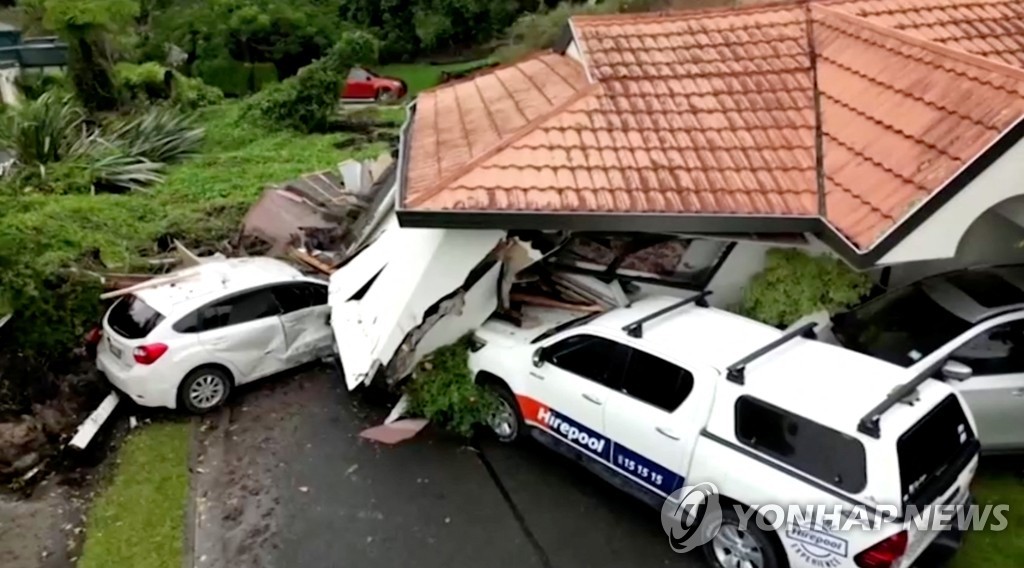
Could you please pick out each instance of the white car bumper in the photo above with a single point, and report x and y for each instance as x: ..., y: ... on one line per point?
x: 144, y: 385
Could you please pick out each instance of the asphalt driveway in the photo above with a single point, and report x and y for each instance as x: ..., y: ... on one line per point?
x: 282, y: 479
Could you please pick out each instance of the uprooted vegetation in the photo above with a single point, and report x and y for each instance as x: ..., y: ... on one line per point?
x: 443, y: 391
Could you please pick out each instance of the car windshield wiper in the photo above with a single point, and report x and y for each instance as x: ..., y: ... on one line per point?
x: 566, y: 325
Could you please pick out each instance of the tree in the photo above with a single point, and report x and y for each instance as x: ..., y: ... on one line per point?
x: 86, y: 26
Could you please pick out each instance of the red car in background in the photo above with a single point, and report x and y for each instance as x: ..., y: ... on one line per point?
x: 363, y: 84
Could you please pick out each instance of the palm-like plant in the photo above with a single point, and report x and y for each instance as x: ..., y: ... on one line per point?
x: 42, y: 131
x: 128, y: 155
x: 160, y: 135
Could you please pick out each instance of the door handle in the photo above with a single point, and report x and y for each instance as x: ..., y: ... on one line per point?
x: 536, y: 376
x: 667, y: 433
x: 592, y: 399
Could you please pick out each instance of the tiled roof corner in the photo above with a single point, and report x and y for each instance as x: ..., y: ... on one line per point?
x: 854, y: 112
x: 899, y: 119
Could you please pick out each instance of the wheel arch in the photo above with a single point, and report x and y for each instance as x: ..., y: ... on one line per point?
x: 780, y: 549
x: 218, y: 366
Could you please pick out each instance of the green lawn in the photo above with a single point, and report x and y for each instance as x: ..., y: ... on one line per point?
x: 203, y: 199
x: 1004, y: 549
x: 420, y: 76
x: 139, y: 519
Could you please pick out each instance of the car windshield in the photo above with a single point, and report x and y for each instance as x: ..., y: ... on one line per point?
x: 566, y: 325
x: 900, y: 327
x: 132, y: 318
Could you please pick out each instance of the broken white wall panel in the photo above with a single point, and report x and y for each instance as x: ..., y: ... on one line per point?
x: 479, y: 302
x: 422, y: 266
x: 88, y: 429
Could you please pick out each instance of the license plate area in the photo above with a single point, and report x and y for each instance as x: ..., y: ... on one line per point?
x: 114, y: 349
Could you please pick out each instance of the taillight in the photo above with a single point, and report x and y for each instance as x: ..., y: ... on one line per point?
x: 148, y: 354
x: 885, y: 553
x: 94, y: 336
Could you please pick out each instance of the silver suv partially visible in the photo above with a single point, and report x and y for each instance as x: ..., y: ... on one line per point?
x: 968, y: 326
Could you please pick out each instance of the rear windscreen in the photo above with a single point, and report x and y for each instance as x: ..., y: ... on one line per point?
x: 934, y: 451
x: 132, y: 318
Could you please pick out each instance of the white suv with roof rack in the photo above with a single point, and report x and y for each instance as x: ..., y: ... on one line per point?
x: 189, y: 338
x: 666, y: 393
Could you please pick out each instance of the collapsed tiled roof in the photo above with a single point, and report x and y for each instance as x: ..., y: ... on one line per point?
x: 824, y: 111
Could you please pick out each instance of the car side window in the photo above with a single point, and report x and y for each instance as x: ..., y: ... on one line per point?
x: 243, y: 308
x: 294, y: 297
x: 357, y: 74
x: 594, y: 358
x: 656, y: 381
x: 819, y: 451
x: 997, y: 351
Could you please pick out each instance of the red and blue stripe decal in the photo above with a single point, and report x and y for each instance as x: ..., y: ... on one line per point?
x: 632, y: 464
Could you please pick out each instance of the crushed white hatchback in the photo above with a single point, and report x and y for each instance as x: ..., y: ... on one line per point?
x: 189, y: 338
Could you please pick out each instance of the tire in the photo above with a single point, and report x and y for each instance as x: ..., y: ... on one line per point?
x: 204, y: 389
x: 385, y: 96
x: 507, y: 423
x: 752, y: 543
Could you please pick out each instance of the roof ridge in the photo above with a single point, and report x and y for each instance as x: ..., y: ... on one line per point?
x: 689, y: 13
x: 935, y: 47
x: 507, y: 65
x: 414, y: 201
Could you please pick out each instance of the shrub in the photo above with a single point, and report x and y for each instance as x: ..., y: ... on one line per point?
x: 794, y: 284
x: 443, y: 391
x: 235, y: 78
x: 143, y: 82
x: 308, y: 101
x: 191, y: 93
x: 34, y: 84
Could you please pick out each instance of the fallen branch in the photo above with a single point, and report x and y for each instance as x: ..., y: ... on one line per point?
x: 311, y: 260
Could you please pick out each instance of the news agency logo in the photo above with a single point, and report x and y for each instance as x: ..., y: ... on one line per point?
x: 691, y: 516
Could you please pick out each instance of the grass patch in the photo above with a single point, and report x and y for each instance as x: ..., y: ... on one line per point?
x: 203, y: 199
x: 1005, y: 549
x: 139, y: 520
x: 420, y: 76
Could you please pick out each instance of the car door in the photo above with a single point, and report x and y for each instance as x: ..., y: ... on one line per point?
x: 569, y: 388
x: 653, y: 419
x: 358, y: 85
x: 995, y: 390
x: 304, y: 319
x: 245, y: 333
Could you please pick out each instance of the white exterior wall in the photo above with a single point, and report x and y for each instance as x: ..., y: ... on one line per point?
x: 9, y: 93
x: 939, y: 237
x: 574, y: 52
x: 991, y: 239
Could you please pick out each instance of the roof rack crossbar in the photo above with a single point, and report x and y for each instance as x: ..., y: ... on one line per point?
x: 737, y: 371
x: 869, y: 422
x: 636, y: 329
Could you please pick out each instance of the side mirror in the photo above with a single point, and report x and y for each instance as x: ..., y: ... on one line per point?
x: 538, y: 357
x: 956, y: 371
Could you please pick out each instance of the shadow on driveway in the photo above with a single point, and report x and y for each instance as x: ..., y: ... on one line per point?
x: 284, y: 480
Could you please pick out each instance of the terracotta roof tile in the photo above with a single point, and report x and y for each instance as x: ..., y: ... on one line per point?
x: 731, y: 112
x: 899, y: 120
x: 990, y: 28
